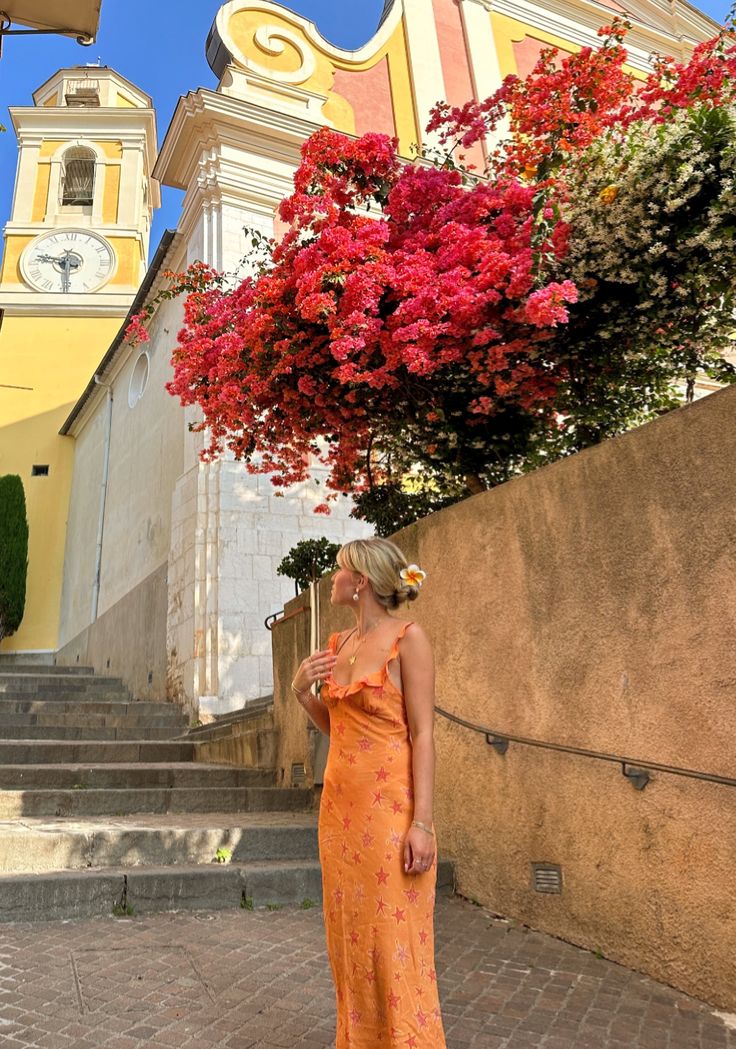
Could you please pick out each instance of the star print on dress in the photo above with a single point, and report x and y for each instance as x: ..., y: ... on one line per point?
x: 378, y: 918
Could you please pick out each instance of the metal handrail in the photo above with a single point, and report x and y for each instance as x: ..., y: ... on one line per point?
x: 277, y: 618
x: 637, y: 772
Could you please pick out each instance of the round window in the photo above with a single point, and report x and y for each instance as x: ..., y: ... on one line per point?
x: 138, y: 380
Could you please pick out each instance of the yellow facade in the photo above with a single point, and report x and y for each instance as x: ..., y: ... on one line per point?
x: 45, y: 363
x: 111, y: 194
x: 509, y: 31
x: 41, y: 196
x: 245, y: 24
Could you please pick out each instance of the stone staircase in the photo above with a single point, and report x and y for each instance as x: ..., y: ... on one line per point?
x: 104, y: 809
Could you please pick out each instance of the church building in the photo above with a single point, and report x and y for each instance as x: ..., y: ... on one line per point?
x: 145, y: 562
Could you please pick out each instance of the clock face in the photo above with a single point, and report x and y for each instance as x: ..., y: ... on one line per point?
x: 68, y: 262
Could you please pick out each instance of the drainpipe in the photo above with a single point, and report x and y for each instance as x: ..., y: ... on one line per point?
x: 103, y: 498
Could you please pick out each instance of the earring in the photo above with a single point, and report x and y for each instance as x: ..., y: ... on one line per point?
x: 355, y: 596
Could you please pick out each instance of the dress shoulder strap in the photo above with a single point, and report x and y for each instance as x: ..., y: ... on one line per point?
x: 334, y: 638
x: 393, y: 653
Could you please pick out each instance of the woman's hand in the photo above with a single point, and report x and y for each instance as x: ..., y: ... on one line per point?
x: 316, y: 667
x: 419, y: 849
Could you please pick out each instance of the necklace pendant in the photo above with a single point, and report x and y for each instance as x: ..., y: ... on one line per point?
x: 351, y: 660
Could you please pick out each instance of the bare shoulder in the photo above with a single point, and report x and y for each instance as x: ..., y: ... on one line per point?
x: 415, y: 640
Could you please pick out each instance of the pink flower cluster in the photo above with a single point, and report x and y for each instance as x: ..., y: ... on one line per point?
x: 360, y: 316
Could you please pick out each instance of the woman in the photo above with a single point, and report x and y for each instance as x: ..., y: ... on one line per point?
x: 377, y: 844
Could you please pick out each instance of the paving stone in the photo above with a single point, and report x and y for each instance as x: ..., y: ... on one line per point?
x: 260, y: 980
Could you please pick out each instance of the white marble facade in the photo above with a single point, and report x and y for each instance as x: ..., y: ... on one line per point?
x: 229, y: 533
x: 230, y: 528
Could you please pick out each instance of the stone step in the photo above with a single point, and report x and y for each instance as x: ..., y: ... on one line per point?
x: 8, y: 665
x: 78, y: 699
x: 75, y: 719
x: 32, y: 845
x: 63, y: 734
x: 111, y: 776
x: 59, y: 682
x: 69, y: 752
x: 119, y: 801
x: 92, y: 706
x: 85, y: 894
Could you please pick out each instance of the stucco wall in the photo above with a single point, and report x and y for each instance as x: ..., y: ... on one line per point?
x: 592, y: 604
x: 128, y: 640
x: 81, y: 536
x: 146, y: 458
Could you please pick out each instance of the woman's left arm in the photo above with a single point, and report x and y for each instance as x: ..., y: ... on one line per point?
x: 417, y: 678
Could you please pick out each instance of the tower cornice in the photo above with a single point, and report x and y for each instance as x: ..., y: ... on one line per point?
x: 204, y: 118
x: 128, y: 125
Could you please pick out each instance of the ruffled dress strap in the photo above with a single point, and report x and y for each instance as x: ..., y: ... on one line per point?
x: 395, y: 646
x: 378, y: 678
x: 333, y: 640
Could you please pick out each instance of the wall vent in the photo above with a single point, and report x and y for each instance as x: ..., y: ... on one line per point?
x: 547, y: 877
x: 38, y: 470
x: 298, y: 774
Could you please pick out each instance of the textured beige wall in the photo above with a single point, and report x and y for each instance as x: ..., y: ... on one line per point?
x: 296, y: 737
x: 128, y: 640
x: 592, y: 604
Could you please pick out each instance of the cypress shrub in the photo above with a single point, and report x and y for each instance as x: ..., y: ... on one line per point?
x: 13, y: 553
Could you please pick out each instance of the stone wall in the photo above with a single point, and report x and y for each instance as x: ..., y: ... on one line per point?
x: 591, y: 604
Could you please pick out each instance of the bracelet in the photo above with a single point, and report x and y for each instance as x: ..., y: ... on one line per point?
x: 299, y: 691
x: 423, y: 826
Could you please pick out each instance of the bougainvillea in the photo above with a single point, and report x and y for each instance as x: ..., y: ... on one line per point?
x: 425, y: 329
x: 423, y: 319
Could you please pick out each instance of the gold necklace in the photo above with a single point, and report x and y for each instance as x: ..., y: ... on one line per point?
x: 351, y: 659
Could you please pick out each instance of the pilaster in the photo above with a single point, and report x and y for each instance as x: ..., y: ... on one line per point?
x: 425, y: 62
x: 485, y: 70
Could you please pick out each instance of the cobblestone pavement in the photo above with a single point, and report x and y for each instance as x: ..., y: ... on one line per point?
x: 246, y: 979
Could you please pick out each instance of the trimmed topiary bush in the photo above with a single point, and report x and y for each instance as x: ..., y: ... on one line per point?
x: 308, y: 560
x: 13, y: 553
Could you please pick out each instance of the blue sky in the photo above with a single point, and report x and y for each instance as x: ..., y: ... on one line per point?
x: 159, y: 45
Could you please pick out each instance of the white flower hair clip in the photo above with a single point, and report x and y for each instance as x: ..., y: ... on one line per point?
x: 412, y: 576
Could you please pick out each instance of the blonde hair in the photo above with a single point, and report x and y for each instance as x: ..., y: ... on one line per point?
x: 381, y: 561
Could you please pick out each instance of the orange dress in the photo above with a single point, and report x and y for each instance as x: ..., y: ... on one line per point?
x: 378, y: 920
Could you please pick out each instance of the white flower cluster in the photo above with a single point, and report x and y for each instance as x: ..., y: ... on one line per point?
x: 653, y: 226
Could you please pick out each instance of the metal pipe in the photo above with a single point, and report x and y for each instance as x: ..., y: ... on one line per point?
x: 103, y: 499
x: 275, y: 620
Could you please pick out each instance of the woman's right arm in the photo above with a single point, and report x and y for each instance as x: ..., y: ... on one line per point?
x: 316, y: 667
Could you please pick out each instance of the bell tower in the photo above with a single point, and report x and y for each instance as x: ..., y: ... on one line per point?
x: 75, y: 253
x: 77, y: 238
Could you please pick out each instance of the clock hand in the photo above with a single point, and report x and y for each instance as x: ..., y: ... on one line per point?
x: 66, y: 263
